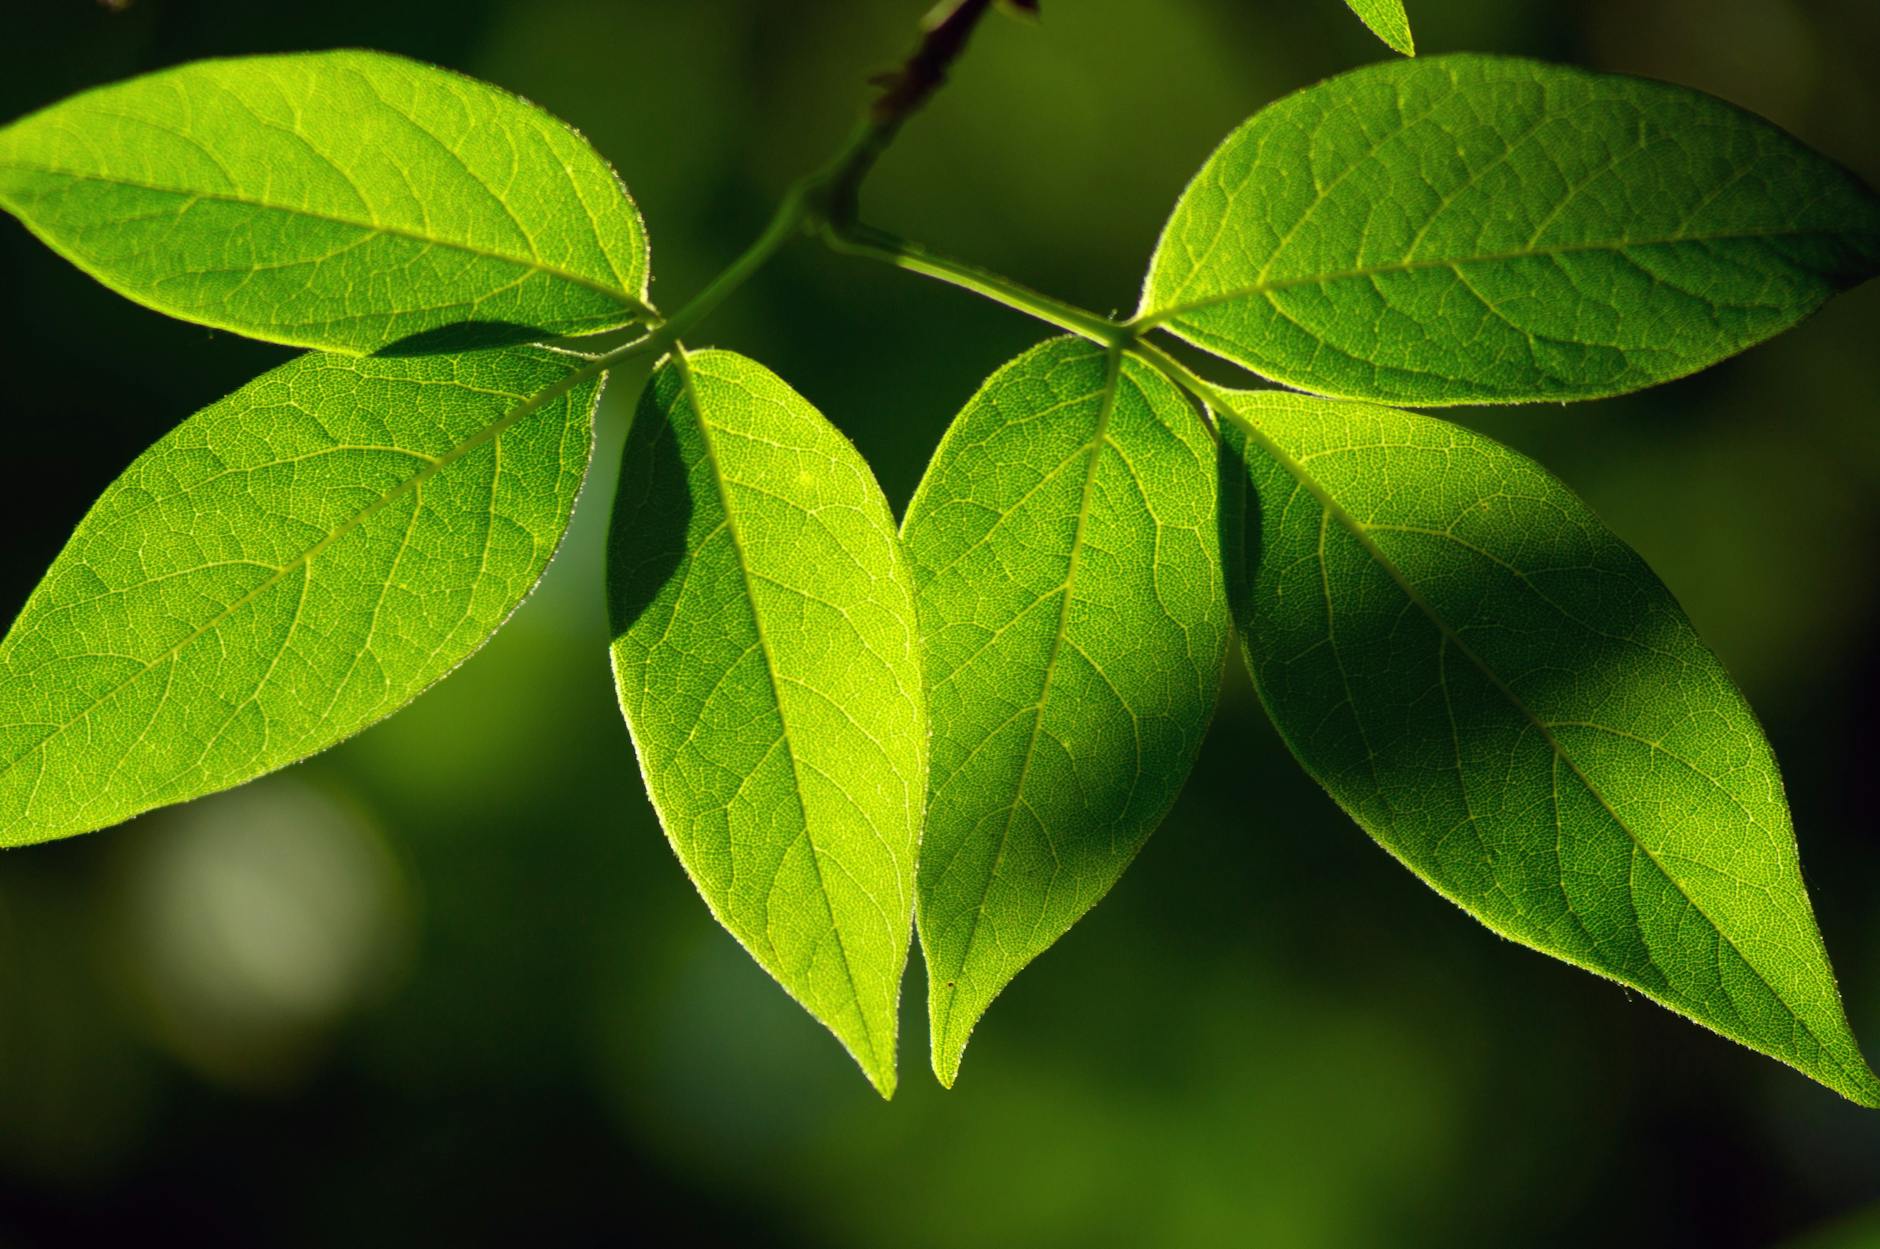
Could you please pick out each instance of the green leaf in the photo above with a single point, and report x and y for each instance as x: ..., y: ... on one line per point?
x: 1470, y: 229
x: 1387, y: 21
x: 1066, y: 548
x: 283, y: 569
x: 1503, y: 695
x: 342, y: 200
x: 769, y: 668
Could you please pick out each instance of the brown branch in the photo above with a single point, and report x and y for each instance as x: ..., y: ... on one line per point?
x: 944, y: 37
x: 904, y: 91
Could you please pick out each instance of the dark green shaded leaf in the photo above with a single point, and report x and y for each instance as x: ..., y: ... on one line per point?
x: 1503, y: 695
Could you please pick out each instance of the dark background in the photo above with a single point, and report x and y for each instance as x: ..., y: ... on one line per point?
x: 447, y: 981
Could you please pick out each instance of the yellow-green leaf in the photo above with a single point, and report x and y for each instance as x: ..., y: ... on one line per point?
x: 341, y: 200
x: 1473, y: 229
x: 283, y: 569
x: 1387, y: 21
x: 767, y: 661
x: 1066, y: 548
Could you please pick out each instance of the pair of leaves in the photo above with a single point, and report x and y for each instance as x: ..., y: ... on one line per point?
x: 1060, y: 571
x: 301, y: 559
x: 1482, y: 675
x: 1489, y: 681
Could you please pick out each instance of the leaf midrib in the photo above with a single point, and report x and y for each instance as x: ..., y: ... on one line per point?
x: 527, y: 407
x: 1164, y: 315
x: 1359, y: 533
x: 681, y: 362
x: 625, y: 298
x: 1098, y: 440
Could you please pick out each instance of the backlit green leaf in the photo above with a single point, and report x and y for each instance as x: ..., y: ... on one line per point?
x: 343, y: 200
x: 1387, y: 21
x: 1503, y: 695
x: 1468, y: 229
x: 769, y: 668
x: 1066, y: 548
x: 285, y: 568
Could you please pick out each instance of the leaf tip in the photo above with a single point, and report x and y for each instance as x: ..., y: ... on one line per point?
x: 946, y: 1066
x: 874, y: 1049
x: 884, y: 1082
x: 1839, y: 1064
x: 949, y: 1048
x: 949, y: 1034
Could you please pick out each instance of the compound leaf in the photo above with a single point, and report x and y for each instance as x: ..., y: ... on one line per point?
x: 1470, y: 229
x: 1387, y: 21
x: 1503, y: 695
x: 283, y: 569
x: 768, y: 664
x: 341, y: 200
x: 1067, y: 556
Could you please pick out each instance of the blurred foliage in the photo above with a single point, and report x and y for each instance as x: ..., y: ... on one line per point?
x: 447, y: 983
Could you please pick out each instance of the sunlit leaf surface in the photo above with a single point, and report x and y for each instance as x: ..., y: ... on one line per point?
x: 1472, y: 229
x: 283, y: 569
x: 342, y: 200
x: 1065, y: 545
x: 1387, y: 21
x: 768, y: 665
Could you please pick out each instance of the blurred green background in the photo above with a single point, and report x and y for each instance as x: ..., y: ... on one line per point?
x: 446, y: 982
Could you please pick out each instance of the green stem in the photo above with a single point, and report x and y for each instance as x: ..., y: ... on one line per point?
x: 1210, y: 396
x: 1179, y: 373
x: 859, y: 240
x: 789, y: 220
x: 792, y: 217
x: 826, y: 202
x: 831, y: 192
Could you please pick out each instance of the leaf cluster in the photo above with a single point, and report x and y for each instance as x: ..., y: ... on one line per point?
x: 965, y: 725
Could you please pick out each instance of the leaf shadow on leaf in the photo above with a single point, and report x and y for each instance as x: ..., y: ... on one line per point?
x: 1238, y: 522
x: 463, y: 336
x: 1524, y: 672
x: 646, y: 541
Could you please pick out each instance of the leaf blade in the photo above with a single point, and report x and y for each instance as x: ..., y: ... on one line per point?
x: 1387, y: 21
x: 295, y: 563
x: 341, y: 200
x: 767, y: 664
x: 1470, y: 229
x: 1065, y: 546
x: 1452, y: 643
